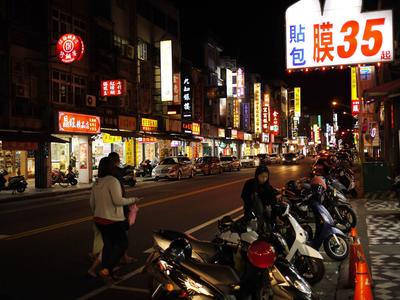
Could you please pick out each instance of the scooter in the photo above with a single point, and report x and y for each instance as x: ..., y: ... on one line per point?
x: 284, y: 279
x: 334, y: 240
x: 15, y: 184
x: 63, y: 179
x: 176, y: 275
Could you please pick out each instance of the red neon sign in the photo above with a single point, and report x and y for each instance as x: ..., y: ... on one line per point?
x: 70, y: 48
x: 275, y: 122
x: 113, y: 88
x: 355, y: 107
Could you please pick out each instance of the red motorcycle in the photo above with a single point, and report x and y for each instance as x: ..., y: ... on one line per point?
x: 63, y: 179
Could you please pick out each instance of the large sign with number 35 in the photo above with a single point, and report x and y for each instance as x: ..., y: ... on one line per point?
x: 341, y: 35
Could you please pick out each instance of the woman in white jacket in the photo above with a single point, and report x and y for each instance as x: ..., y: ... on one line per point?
x: 107, y: 203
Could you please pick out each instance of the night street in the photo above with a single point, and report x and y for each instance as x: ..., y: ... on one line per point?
x: 200, y: 150
x: 53, y: 262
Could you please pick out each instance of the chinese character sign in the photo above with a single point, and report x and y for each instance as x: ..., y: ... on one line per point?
x: 186, y: 97
x: 149, y: 125
x: 195, y: 128
x: 246, y: 116
x: 166, y: 71
x: 265, y: 113
x: 275, y: 122
x: 177, y: 88
x: 257, y: 108
x: 297, y: 102
x: 240, y: 83
x: 341, y: 35
x: 111, y: 88
x: 72, y: 122
x: 236, y: 113
x: 354, y: 94
x: 355, y: 107
x: 69, y: 48
x: 187, y: 127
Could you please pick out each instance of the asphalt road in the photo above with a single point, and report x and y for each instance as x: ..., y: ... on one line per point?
x: 44, y: 244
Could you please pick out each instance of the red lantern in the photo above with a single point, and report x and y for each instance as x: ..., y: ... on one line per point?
x: 70, y: 48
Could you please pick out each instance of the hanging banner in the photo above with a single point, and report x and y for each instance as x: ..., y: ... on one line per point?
x: 257, y: 108
x: 236, y: 113
x: 297, y: 102
x: 129, y: 152
x: 340, y: 35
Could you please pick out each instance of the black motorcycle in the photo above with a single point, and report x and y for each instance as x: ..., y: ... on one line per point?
x: 63, y: 179
x: 145, y: 168
x: 15, y: 184
x: 255, y: 283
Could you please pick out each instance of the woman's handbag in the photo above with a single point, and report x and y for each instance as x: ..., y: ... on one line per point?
x: 133, y: 209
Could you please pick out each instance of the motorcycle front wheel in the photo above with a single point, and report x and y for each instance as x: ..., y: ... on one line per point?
x: 347, y: 218
x: 334, y: 250
x: 21, y: 189
x: 73, y: 181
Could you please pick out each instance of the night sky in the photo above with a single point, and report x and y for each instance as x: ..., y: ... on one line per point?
x: 254, y: 34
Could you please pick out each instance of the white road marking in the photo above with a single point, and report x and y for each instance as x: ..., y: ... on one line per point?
x: 139, y: 270
x: 4, y: 236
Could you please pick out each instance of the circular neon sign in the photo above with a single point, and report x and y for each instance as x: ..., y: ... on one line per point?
x: 69, y: 48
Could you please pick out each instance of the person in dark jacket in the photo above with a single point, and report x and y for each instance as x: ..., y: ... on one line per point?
x: 259, y: 199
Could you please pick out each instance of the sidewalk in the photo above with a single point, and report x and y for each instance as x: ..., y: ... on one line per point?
x: 379, y: 231
x: 34, y: 193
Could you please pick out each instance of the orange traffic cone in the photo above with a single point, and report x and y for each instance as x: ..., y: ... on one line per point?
x: 363, y: 290
x: 353, y: 233
x: 353, y: 258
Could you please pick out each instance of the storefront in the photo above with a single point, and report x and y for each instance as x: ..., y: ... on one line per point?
x: 18, y: 158
x: 247, y: 145
x: 150, y: 146
x: 76, y: 130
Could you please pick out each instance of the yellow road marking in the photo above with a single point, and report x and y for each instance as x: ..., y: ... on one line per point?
x: 85, y: 219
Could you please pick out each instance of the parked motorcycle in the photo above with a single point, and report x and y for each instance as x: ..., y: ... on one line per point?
x: 333, y: 239
x: 15, y: 184
x: 63, y: 179
x: 145, y: 168
x: 177, y: 275
x: 283, y: 278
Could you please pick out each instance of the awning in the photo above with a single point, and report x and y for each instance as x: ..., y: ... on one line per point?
x: 388, y: 89
x: 122, y: 133
x: 170, y: 136
x: 28, y: 136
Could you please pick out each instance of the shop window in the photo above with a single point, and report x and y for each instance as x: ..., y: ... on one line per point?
x: 64, y: 23
x: 68, y: 89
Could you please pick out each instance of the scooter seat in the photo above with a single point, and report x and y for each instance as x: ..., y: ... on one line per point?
x: 218, y: 275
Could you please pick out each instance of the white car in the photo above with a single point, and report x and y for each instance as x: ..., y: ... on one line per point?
x: 174, y: 168
x: 250, y: 161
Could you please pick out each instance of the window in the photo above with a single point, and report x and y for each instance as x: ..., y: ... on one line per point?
x: 68, y: 89
x: 63, y: 23
x: 120, y: 43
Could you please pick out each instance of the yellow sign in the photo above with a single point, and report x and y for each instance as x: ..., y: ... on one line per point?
x: 354, y: 95
x: 149, y: 124
x: 257, y: 107
x: 129, y: 152
x: 108, y: 138
x: 297, y: 102
x: 236, y: 113
x: 195, y: 128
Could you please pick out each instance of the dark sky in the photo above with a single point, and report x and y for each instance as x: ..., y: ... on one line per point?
x: 254, y: 34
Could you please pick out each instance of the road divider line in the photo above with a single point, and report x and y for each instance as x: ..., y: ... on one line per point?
x: 140, y: 269
x: 85, y: 219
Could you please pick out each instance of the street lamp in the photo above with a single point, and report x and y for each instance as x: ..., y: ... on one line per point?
x: 334, y: 103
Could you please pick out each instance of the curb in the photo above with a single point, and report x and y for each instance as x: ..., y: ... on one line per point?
x: 38, y: 195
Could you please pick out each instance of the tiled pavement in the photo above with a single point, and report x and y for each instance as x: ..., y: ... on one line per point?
x: 383, y: 228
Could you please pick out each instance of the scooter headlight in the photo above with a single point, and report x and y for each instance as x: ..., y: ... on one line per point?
x: 194, y: 287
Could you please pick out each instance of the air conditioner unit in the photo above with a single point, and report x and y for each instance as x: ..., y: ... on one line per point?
x: 21, y: 90
x: 91, y: 100
x: 129, y: 51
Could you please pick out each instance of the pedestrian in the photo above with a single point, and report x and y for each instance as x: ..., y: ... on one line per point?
x: 107, y: 203
x: 118, y: 173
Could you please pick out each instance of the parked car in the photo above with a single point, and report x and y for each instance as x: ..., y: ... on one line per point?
x: 274, y: 158
x: 289, y: 158
x: 208, y: 165
x: 230, y: 163
x: 249, y: 161
x: 174, y: 168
